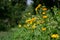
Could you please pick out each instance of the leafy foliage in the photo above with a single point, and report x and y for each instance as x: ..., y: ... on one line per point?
x: 10, y: 12
x: 42, y: 26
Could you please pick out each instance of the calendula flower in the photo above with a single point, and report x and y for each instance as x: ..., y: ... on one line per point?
x: 44, y: 8
x: 33, y: 27
x: 54, y: 36
x: 43, y: 29
x: 36, y: 9
x: 29, y: 21
x: 19, y: 25
x: 39, y: 5
x: 45, y: 16
x: 33, y: 19
x: 43, y: 12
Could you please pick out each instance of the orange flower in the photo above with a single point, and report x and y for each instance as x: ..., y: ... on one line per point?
x: 44, y: 8
x: 43, y: 29
x: 54, y: 36
x: 44, y: 13
x: 45, y: 16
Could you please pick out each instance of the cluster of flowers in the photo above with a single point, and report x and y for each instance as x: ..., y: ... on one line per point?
x: 32, y: 23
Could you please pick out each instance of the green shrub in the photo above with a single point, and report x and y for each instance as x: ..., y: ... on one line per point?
x: 10, y: 12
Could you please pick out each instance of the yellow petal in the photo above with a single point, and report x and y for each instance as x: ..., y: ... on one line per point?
x: 44, y: 8
x: 45, y: 16
x: 30, y: 22
x: 33, y: 27
x: 39, y: 5
x: 44, y: 13
x: 54, y: 36
x: 43, y: 29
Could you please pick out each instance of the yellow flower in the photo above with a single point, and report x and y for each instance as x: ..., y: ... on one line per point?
x: 27, y: 21
x: 44, y: 13
x: 43, y: 29
x: 36, y: 9
x: 30, y: 22
x: 33, y: 27
x: 33, y: 19
x: 19, y: 25
x: 44, y: 8
x: 54, y: 36
x: 39, y: 5
x: 45, y: 16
